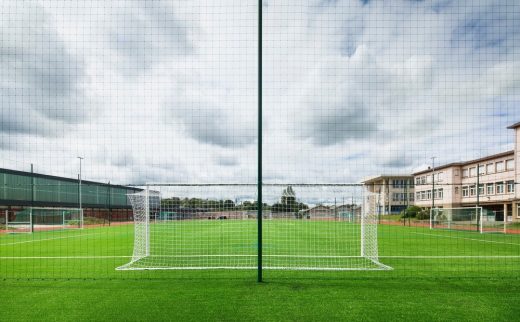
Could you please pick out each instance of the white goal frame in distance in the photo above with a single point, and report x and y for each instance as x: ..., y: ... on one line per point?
x: 30, y: 223
x: 479, y: 218
x: 141, y: 212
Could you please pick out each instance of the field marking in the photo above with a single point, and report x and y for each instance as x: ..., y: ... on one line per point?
x: 46, y: 239
x: 474, y: 239
x: 452, y: 257
x: 62, y: 257
x: 202, y: 256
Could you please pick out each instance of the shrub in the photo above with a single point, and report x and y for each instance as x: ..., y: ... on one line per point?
x: 411, y: 212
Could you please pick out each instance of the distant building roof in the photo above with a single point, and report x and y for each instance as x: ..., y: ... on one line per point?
x: 514, y: 126
x: 385, y: 176
x: 461, y: 164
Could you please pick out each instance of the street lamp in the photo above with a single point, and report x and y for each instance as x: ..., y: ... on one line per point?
x: 433, y: 182
x: 79, y: 179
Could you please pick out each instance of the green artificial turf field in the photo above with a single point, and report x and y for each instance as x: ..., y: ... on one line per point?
x: 436, y: 275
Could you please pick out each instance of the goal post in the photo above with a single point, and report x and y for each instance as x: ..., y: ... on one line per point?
x: 204, y: 226
x: 34, y: 219
x: 490, y: 222
x: 469, y: 219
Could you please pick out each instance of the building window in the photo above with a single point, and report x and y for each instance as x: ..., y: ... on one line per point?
x: 403, y: 196
x: 510, y: 186
x: 500, y: 166
x: 465, y: 191
x: 490, y: 168
x: 481, y: 189
x: 500, y: 187
x: 418, y: 196
x: 440, y: 193
x: 465, y: 173
x: 411, y: 197
x: 440, y: 176
x: 472, y: 190
x: 418, y: 181
x: 490, y: 187
x: 423, y: 179
x: 429, y: 195
x: 510, y: 164
x: 472, y: 172
x: 481, y: 169
x: 456, y: 172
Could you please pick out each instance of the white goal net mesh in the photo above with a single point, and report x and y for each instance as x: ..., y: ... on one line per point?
x: 34, y: 219
x: 469, y: 219
x: 305, y: 227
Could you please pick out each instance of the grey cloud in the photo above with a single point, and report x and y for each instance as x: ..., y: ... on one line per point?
x: 214, y: 128
x: 147, y: 32
x: 40, y: 80
x: 396, y: 161
x: 227, y: 161
x: 335, y: 125
x: 489, y: 27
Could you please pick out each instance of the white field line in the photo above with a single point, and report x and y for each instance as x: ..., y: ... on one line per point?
x: 466, y: 238
x: 453, y: 257
x: 46, y: 239
x: 294, y: 256
x: 63, y: 257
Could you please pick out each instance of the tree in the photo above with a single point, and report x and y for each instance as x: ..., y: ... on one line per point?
x: 229, y: 204
x: 412, y: 212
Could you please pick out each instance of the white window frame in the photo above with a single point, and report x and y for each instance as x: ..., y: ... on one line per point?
x: 510, y: 164
x: 500, y: 188
x: 500, y: 165
x: 488, y: 186
x: 490, y: 168
x: 465, y: 191
x: 465, y: 173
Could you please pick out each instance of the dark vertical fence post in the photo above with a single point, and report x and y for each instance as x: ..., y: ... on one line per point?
x: 259, y: 161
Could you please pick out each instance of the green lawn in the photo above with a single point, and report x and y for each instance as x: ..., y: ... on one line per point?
x: 436, y: 275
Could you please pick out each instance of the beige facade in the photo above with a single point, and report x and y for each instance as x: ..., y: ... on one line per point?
x: 489, y: 182
x: 391, y: 193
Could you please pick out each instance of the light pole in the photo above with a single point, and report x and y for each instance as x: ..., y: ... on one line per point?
x: 79, y: 180
x: 433, y: 182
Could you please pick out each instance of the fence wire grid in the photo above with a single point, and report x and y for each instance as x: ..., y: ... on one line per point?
x: 136, y: 136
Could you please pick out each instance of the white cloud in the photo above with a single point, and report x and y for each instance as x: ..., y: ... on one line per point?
x: 166, y: 91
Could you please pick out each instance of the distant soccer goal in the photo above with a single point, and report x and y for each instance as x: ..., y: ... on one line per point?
x: 470, y: 219
x: 306, y: 227
x: 43, y: 219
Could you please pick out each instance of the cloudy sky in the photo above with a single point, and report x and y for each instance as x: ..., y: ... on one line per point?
x: 165, y: 91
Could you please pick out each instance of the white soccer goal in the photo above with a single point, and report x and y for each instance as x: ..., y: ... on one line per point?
x: 43, y: 219
x: 216, y: 227
x: 490, y: 222
x: 469, y: 219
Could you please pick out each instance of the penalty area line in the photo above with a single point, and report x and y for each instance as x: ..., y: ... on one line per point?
x: 466, y: 238
x: 47, y: 239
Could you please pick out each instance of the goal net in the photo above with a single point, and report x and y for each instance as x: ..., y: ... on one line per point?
x: 491, y: 222
x: 215, y: 226
x: 43, y: 219
x: 470, y: 219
